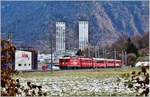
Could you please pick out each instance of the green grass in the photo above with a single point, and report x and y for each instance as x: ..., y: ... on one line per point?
x: 98, y: 73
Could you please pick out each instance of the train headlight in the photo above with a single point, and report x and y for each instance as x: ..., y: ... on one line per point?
x: 74, y: 62
x: 117, y: 64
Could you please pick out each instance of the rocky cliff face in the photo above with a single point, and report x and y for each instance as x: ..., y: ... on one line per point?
x: 107, y: 20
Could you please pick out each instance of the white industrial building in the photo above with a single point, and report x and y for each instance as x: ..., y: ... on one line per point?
x: 23, y: 60
x: 60, y: 36
x: 45, y: 58
x: 83, y: 34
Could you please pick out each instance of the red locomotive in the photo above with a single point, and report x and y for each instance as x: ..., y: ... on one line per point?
x: 80, y: 62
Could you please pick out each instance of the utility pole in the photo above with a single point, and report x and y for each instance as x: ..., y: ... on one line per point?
x: 126, y: 58
x: 98, y: 51
x: 51, y: 55
x: 105, y: 56
x: 122, y: 57
x: 88, y: 52
x: 114, y: 57
x: 95, y: 51
x: 91, y: 55
x: 104, y: 53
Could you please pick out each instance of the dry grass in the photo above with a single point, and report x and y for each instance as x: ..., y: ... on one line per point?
x: 98, y: 73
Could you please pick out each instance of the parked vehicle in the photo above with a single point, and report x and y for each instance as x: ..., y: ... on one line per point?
x: 53, y: 67
x: 47, y: 67
x: 145, y: 63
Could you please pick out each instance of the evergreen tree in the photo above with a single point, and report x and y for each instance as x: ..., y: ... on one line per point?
x: 79, y: 52
x: 131, y: 48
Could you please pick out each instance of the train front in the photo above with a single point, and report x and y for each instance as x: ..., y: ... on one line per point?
x: 69, y: 63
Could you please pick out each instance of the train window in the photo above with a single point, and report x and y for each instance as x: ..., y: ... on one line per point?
x: 99, y: 61
x: 19, y: 64
x: 66, y: 60
x: 89, y: 61
x: 110, y: 61
x: 24, y: 64
x: 29, y: 64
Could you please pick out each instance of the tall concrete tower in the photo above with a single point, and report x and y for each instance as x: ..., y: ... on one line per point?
x: 60, y: 36
x: 83, y: 34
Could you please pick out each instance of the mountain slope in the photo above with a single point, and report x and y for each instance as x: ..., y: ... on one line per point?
x: 34, y: 22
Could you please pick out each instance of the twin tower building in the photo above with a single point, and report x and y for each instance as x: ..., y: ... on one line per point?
x: 60, y: 35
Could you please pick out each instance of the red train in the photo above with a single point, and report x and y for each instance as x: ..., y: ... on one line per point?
x: 80, y: 62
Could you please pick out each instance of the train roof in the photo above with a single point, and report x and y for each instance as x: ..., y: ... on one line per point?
x: 64, y: 58
x: 106, y: 59
x: 83, y: 58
